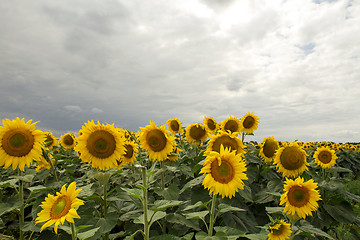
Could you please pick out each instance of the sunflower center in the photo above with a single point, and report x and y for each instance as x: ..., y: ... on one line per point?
x: 291, y: 158
x: 231, y: 125
x: 325, y: 157
x: 174, y: 126
x: 61, y: 207
x: 248, y: 122
x: 223, y: 173
x: 278, y: 231
x: 129, y: 151
x: 270, y: 148
x: 101, y: 144
x: 298, y: 196
x: 197, y: 132
x: 156, y: 140
x: 68, y: 140
x: 18, y: 142
x: 48, y: 141
x: 227, y: 142
x: 211, y: 124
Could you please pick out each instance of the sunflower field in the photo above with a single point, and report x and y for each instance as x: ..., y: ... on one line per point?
x: 202, y: 181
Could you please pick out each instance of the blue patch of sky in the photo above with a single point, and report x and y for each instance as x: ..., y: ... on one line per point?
x: 307, y: 48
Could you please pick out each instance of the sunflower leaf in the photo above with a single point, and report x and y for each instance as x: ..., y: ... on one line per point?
x: 192, y: 183
x: 197, y: 215
x: 223, y: 208
x: 9, y: 183
x: 163, y: 204
x: 87, y: 234
x: 313, y: 230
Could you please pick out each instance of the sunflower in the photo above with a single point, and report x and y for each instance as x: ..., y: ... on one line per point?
x: 100, y: 144
x: 57, y: 209
x: 290, y: 160
x: 224, y: 172
x: 226, y: 139
x: 131, y: 149
x: 300, y: 198
x: 20, y: 143
x: 196, y: 132
x: 210, y: 124
x: 156, y: 141
x: 43, y: 163
x: 68, y: 140
x: 268, y: 148
x: 174, y: 155
x: 249, y: 123
x: 50, y: 140
x: 174, y: 125
x: 325, y: 157
x: 231, y: 124
x: 279, y: 230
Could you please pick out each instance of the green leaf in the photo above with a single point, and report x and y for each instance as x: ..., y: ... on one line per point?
x: 197, y: 215
x: 163, y: 204
x: 188, y: 236
x: 166, y: 237
x: 257, y: 236
x: 180, y: 219
x: 5, y: 207
x: 351, y: 196
x: 204, y: 236
x: 223, y: 208
x: 157, y: 216
x: 313, y: 230
x: 192, y: 183
x: 108, y: 223
x: 86, y: 191
x: 342, y: 214
x: 137, y: 193
x: 271, y: 210
x: 231, y: 233
x: 197, y: 205
x: 26, y: 178
x: 87, y: 234
x: 9, y: 183
x: 332, y: 185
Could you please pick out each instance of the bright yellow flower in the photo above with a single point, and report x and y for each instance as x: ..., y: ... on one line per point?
x: 226, y: 139
x: 300, y: 198
x: 325, y: 157
x: 50, y: 140
x: 224, y: 172
x: 196, y: 132
x: 268, y: 149
x: 231, y: 124
x: 100, y: 144
x: 249, y: 123
x: 174, y: 126
x: 43, y: 163
x: 210, y: 124
x: 20, y: 143
x: 68, y: 140
x: 279, y: 230
x: 131, y: 149
x: 57, y: 209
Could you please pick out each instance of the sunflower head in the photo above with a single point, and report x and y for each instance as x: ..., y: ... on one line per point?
x: 249, y: 123
x: 227, y: 140
x: 196, y: 132
x: 231, y: 124
x: 174, y: 126
x: 50, y: 140
x: 131, y: 149
x: 42, y: 163
x: 224, y: 172
x: 325, y: 157
x: 174, y: 155
x: 57, y: 209
x: 279, y: 230
x: 290, y: 160
x: 210, y: 124
x: 268, y: 149
x: 156, y: 141
x: 68, y: 140
x: 100, y: 144
x: 20, y: 143
x: 300, y: 198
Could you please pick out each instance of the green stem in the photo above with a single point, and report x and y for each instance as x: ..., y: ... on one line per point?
x: 21, y: 199
x: 46, y: 156
x: 73, y: 231
x: 243, y: 137
x: 146, y: 223
x: 106, y: 236
x: 163, y: 225
x: 212, y: 213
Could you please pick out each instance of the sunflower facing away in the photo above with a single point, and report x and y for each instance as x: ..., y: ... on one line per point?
x: 100, y: 144
x: 249, y: 123
x: 174, y: 155
x: 210, y: 124
x: 226, y: 139
x: 231, y: 124
x: 57, y: 209
x: 196, y: 132
x: 325, y: 157
x: 290, y: 160
x: 268, y: 149
x: 68, y: 140
x: 156, y: 141
x: 20, y: 143
x: 300, y: 198
x: 50, y: 140
x: 174, y: 126
x: 43, y: 163
x: 279, y: 230
x: 224, y: 172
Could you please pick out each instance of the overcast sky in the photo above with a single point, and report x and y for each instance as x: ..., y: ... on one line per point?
x: 295, y: 64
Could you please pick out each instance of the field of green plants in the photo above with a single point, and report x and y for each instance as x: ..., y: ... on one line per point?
x: 149, y: 196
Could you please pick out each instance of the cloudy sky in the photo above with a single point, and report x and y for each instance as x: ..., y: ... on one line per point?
x: 294, y: 64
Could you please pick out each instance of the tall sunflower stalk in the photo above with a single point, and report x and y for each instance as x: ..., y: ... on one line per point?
x: 212, y: 216
x: 145, y: 204
x: 21, y: 199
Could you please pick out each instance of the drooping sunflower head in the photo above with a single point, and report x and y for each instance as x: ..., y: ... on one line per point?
x: 290, y: 160
x: 174, y: 126
x: 279, y: 230
x: 268, y: 149
x: 300, y: 198
x: 231, y: 124
x: 20, y: 143
x: 50, y: 140
x: 249, y: 123
x: 68, y: 140
x: 196, y: 132
x: 227, y: 140
x: 57, y: 209
x: 156, y: 141
x: 174, y: 155
x: 210, y: 124
x: 325, y: 157
x: 224, y: 172
x: 100, y: 144
x: 42, y: 163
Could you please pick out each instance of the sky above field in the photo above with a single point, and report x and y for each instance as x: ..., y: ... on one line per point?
x: 294, y: 64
